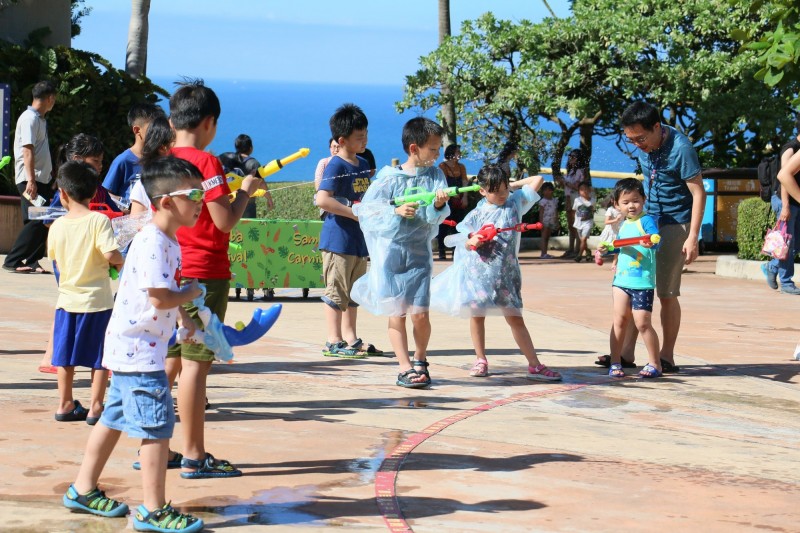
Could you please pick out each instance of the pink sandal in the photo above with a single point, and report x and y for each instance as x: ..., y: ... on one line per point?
x: 542, y: 373
x: 480, y: 369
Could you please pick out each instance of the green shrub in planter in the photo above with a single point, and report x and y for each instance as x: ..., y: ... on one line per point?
x: 294, y: 200
x: 754, y: 218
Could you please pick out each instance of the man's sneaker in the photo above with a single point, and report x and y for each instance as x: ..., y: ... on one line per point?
x: 772, y: 277
x: 165, y: 520
x: 95, y: 502
x: 790, y: 288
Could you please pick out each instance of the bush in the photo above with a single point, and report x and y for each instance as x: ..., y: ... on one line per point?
x: 93, y: 97
x: 293, y: 201
x: 754, y: 218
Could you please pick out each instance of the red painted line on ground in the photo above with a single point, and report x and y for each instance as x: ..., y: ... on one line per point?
x: 386, y: 476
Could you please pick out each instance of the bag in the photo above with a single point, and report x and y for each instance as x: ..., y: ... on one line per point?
x: 768, y: 176
x: 776, y: 242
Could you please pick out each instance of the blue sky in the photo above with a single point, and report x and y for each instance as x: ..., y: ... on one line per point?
x: 369, y: 42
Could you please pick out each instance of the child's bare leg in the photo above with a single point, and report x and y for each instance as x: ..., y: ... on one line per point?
x: 477, y: 330
x: 582, y: 250
x: 99, y: 385
x: 399, y: 340
x: 191, y: 406
x: 421, y: 324
x: 153, y: 458
x: 173, y: 368
x: 98, y: 449
x: 622, y: 315
x: 523, y: 339
x: 47, y: 358
x: 545, y: 240
x: 644, y: 325
x: 348, y: 331
x: 333, y: 320
x: 66, y: 376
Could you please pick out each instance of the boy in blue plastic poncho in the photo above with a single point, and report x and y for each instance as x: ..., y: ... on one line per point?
x: 399, y: 242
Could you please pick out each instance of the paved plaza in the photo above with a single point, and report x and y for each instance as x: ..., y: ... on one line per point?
x: 332, y: 444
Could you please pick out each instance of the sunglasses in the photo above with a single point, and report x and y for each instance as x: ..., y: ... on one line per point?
x: 195, y: 195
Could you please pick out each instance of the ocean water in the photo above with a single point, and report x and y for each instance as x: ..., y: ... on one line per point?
x: 282, y: 117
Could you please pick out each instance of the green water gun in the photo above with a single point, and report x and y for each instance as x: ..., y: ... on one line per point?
x: 4, y: 161
x: 418, y: 195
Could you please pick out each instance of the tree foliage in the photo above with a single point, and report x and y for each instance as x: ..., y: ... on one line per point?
x: 510, y: 79
x: 93, y: 96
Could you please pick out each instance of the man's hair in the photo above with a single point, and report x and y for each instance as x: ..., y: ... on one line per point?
x: 450, y: 151
x: 143, y: 114
x: 78, y: 180
x: 167, y: 174
x: 491, y: 177
x: 243, y: 144
x: 192, y: 103
x: 419, y: 130
x: 627, y: 185
x: 81, y: 145
x: 43, y: 89
x: 641, y: 113
x: 159, y: 135
x: 347, y: 119
x: 548, y: 186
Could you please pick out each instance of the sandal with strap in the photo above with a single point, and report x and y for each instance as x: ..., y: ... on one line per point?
x: 605, y: 361
x: 370, y: 350
x: 341, y: 350
x: 649, y: 371
x: 542, y: 373
x: 78, y: 414
x: 406, y: 380
x: 95, y: 502
x: 424, y: 372
x: 165, y: 520
x: 615, y: 371
x: 173, y: 463
x: 208, y: 468
x: 480, y: 369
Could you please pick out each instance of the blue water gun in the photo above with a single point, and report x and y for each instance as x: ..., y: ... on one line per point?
x: 220, y: 338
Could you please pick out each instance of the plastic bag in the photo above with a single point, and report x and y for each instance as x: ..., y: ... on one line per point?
x: 776, y: 242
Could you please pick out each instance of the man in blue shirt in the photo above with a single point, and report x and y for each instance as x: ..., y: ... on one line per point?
x: 676, y: 199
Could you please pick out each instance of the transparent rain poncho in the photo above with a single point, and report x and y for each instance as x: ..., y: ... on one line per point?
x: 401, y: 260
x: 485, y: 281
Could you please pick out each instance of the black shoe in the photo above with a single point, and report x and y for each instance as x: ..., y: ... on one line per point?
x: 78, y: 414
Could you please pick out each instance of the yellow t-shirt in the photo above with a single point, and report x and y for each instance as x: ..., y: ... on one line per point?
x: 78, y: 245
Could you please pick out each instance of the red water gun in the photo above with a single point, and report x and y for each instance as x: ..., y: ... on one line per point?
x: 450, y: 222
x: 489, y: 231
x: 606, y: 247
x: 106, y: 210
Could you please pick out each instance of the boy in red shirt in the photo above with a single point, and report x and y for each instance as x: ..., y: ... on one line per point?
x: 194, y: 110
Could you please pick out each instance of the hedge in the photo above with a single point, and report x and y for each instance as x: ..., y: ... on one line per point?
x: 754, y: 218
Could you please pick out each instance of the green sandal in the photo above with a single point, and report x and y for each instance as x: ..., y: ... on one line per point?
x: 370, y: 350
x: 342, y: 351
x: 95, y: 502
x: 165, y: 520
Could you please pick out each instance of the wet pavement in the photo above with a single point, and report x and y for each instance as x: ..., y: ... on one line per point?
x: 334, y: 444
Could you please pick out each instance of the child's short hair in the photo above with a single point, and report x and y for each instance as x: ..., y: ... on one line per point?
x: 243, y: 144
x: 419, y: 130
x: 627, y: 185
x: 491, y: 177
x: 548, y: 186
x: 160, y: 135
x: 587, y: 184
x: 43, y: 89
x: 167, y: 174
x: 81, y: 145
x: 347, y: 119
x: 144, y: 113
x: 192, y: 103
x: 78, y: 180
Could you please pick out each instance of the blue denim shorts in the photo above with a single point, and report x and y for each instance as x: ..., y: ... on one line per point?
x: 140, y: 404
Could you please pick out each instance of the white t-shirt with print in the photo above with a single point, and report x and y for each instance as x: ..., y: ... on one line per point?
x: 138, y: 333
x: 584, y: 211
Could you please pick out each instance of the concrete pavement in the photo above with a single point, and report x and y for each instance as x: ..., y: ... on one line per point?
x: 328, y: 443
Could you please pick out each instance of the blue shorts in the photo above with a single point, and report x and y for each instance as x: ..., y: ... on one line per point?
x: 140, y: 404
x: 641, y: 299
x: 78, y: 338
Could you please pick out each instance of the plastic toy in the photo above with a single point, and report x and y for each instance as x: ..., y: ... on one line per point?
x: 418, y: 195
x: 220, y: 338
x: 489, y: 231
x: 235, y: 180
x: 4, y: 161
x: 606, y: 247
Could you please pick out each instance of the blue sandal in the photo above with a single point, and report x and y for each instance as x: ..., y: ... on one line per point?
x: 165, y: 520
x: 648, y: 371
x: 342, y: 351
x: 95, y: 502
x: 208, y: 468
x: 406, y: 380
x: 615, y: 371
x: 370, y: 349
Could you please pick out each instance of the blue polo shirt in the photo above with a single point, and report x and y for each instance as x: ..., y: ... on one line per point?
x: 675, y: 161
x: 123, y: 170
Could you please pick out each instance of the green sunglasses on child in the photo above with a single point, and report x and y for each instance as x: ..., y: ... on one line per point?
x: 195, y: 195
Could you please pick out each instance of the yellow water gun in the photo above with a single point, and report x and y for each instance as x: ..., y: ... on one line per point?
x: 235, y: 180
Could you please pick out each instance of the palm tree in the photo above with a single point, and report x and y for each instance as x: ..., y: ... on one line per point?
x: 449, y: 108
x: 136, y: 54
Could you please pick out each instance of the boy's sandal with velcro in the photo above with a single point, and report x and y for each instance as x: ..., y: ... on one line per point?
x: 406, y: 380
x: 368, y: 350
x: 173, y: 463
x: 95, y: 502
x: 165, y: 520
x: 421, y: 368
x: 342, y: 351
x: 208, y: 468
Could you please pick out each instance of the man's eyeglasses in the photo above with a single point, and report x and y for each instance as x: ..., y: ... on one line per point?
x: 638, y: 140
x: 195, y: 195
